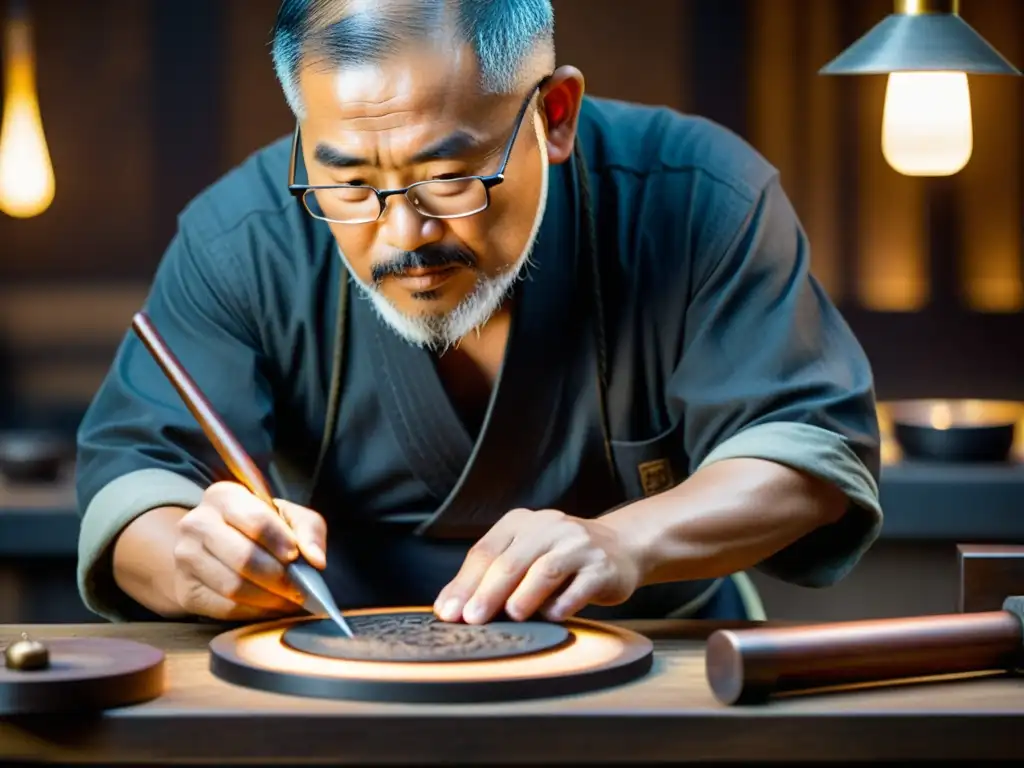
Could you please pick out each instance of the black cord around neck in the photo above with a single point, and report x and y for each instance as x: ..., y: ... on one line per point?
x: 587, y: 250
x: 334, y: 387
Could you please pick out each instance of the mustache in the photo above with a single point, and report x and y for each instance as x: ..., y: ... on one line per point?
x: 430, y: 256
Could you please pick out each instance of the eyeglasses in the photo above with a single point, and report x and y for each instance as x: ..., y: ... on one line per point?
x: 434, y: 198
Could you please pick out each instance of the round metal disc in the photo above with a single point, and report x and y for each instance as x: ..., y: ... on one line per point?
x: 420, y: 637
x: 594, y: 656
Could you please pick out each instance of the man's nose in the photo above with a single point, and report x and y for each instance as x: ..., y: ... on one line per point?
x: 405, y: 228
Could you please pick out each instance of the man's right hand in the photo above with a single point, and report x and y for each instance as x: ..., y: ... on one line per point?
x: 226, y: 559
x: 232, y: 551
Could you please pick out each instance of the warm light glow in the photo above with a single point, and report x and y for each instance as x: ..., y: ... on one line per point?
x: 941, y: 417
x: 27, y: 183
x: 593, y: 647
x: 926, y: 125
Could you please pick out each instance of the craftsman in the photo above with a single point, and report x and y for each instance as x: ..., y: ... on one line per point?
x: 522, y: 350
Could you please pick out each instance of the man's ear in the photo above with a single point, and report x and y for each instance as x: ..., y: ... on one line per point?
x: 562, y: 97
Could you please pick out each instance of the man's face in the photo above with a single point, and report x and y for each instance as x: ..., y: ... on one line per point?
x: 418, y: 117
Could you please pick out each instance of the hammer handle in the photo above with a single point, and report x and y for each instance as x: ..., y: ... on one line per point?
x: 749, y: 665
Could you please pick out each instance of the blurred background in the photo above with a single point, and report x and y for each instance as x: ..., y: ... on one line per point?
x: 146, y: 102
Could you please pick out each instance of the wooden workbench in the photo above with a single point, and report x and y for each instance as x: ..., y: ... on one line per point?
x: 670, y: 716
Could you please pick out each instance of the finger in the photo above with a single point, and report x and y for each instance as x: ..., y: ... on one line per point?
x: 310, y: 531
x: 205, y: 568
x: 505, y: 575
x: 543, y: 582
x: 575, y: 597
x: 256, y: 520
x: 452, y: 599
x: 200, y: 600
x: 245, y: 557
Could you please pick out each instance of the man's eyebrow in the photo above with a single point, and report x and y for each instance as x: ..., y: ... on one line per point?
x: 455, y: 145
x: 335, y: 158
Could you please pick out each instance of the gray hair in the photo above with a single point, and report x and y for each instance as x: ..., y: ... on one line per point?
x: 503, y: 34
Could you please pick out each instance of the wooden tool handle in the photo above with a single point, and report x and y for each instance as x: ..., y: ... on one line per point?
x: 749, y: 665
x: 230, y: 450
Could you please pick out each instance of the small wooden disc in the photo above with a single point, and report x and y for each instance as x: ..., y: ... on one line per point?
x: 598, y: 656
x: 84, y: 674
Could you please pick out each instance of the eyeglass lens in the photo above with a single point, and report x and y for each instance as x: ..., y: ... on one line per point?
x: 440, y: 198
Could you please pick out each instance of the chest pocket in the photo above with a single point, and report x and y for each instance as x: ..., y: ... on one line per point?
x: 649, y: 467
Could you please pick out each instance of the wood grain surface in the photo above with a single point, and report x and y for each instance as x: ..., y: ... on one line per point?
x: 669, y: 717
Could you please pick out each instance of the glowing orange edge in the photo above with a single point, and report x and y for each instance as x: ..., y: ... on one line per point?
x: 593, y: 646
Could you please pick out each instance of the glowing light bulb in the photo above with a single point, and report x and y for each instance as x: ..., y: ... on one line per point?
x: 27, y: 183
x: 926, y: 124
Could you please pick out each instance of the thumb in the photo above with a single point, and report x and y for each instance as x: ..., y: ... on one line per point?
x: 310, y: 531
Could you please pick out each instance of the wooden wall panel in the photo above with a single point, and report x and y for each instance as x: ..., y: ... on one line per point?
x: 821, y: 203
x: 892, y: 262
x: 774, y: 89
x: 95, y: 89
x: 60, y: 338
x: 989, y: 189
x: 255, y: 112
x: 794, y: 117
x: 64, y: 314
x: 58, y: 383
x: 628, y: 50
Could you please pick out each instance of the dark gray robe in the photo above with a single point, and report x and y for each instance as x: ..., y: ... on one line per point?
x: 719, y: 343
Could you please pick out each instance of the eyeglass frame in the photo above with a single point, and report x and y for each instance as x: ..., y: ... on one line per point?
x: 488, y: 180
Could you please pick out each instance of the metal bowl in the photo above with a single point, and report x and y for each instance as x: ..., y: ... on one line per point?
x: 956, y: 430
x: 32, y: 456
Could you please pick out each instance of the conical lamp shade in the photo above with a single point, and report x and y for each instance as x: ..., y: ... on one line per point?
x: 925, y: 42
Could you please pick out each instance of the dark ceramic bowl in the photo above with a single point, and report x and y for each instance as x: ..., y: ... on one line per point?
x: 32, y: 457
x: 956, y: 430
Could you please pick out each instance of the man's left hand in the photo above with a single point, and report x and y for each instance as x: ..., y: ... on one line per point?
x: 540, y: 561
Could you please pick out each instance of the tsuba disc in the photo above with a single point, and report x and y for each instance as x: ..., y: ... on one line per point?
x: 589, y: 656
x: 420, y: 637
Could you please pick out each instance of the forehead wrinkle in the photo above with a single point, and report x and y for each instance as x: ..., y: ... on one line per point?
x: 395, y: 123
x: 397, y: 147
x: 383, y: 122
x: 365, y: 105
x: 398, y: 137
x: 420, y: 102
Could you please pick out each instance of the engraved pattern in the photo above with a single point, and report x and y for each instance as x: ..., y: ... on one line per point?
x: 421, y: 637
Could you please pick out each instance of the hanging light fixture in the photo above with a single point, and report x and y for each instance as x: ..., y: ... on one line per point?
x: 26, y: 173
x: 927, y: 50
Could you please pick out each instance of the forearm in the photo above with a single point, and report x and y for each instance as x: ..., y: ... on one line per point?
x: 143, y: 560
x: 728, y: 516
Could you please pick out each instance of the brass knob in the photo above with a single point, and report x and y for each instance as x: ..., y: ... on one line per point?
x: 27, y: 655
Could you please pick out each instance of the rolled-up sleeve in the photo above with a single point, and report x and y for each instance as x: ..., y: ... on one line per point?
x: 139, y: 447
x: 771, y: 370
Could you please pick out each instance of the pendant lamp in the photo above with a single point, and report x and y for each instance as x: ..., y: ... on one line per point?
x: 927, y: 50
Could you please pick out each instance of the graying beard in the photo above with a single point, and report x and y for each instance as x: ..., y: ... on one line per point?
x: 439, y: 332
